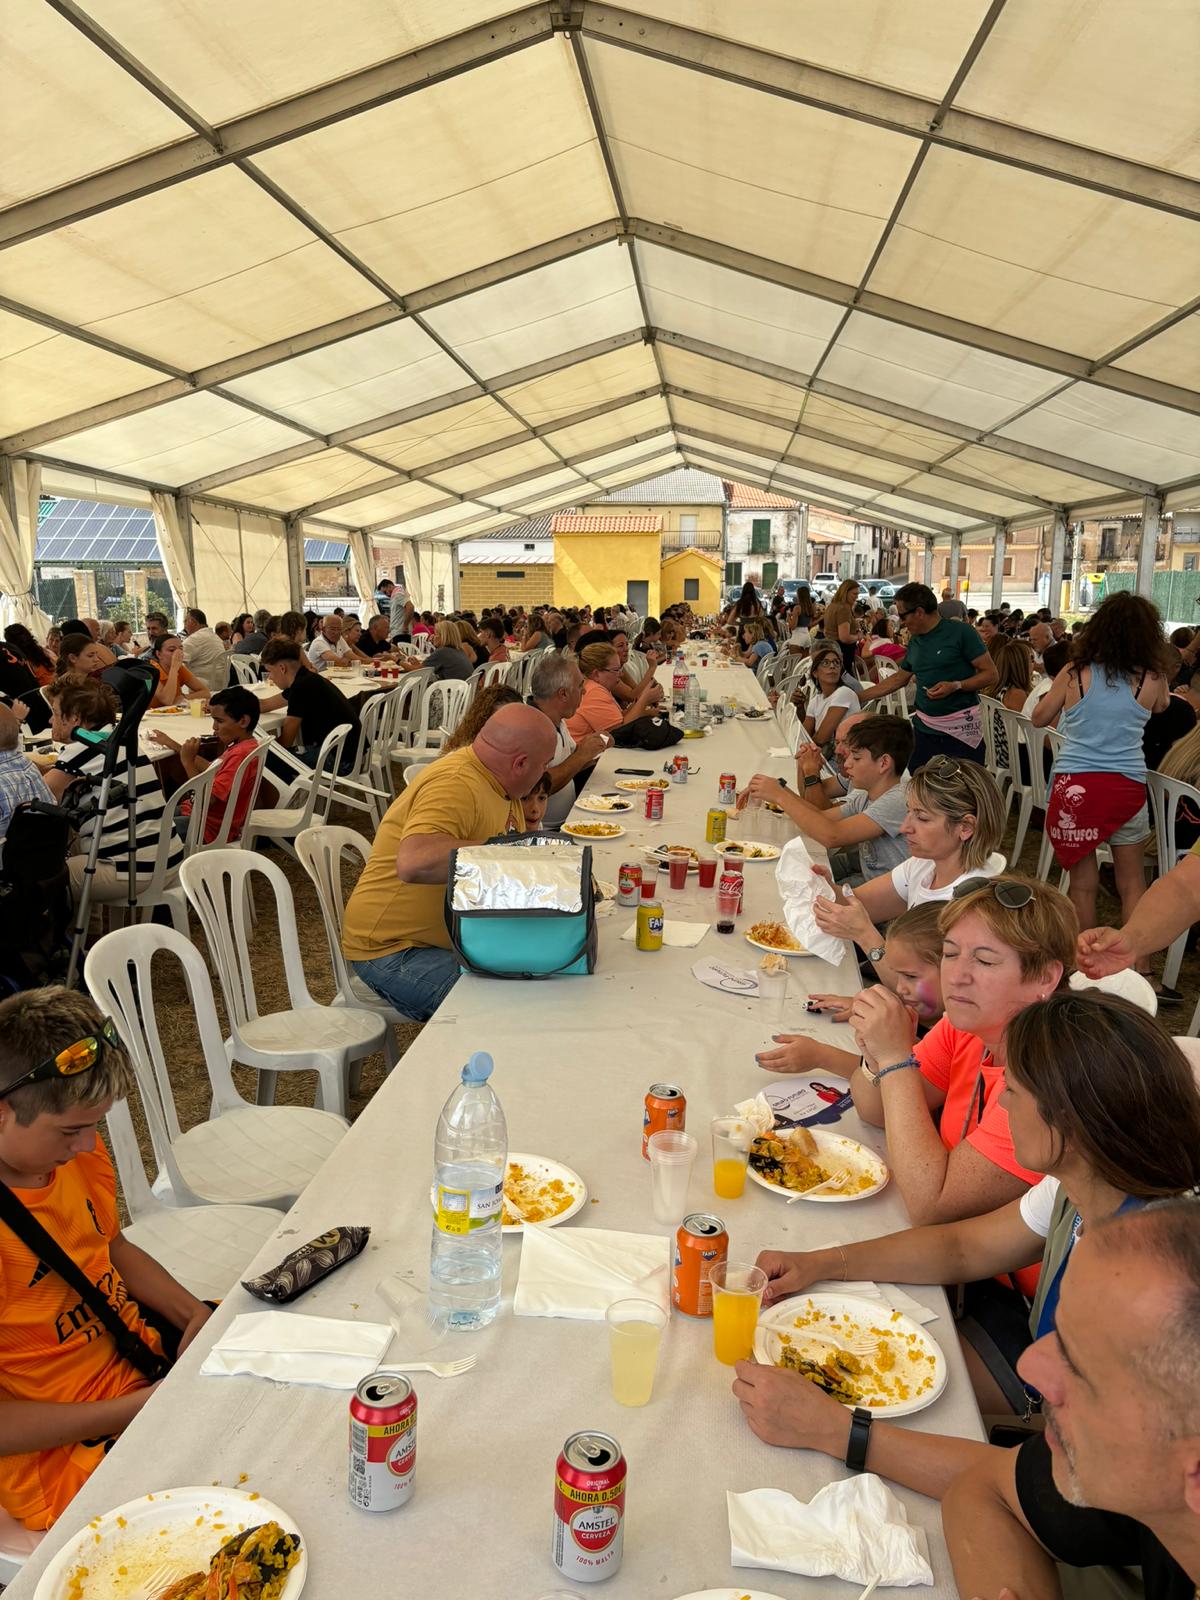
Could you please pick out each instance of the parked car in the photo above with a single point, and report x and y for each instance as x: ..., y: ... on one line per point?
x: 824, y: 584
x: 878, y: 588
x: 789, y: 588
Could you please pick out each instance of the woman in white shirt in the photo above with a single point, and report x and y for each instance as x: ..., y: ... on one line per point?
x: 954, y: 824
x: 831, y: 700
x: 1101, y: 1099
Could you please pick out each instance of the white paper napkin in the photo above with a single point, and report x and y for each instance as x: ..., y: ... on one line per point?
x: 855, y: 1530
x: 292, y: 1348
x: 888, y: 1294
x: 779, y: 751
x: 682, y: 935
x: 800, y: 886
x: 580, y: 1272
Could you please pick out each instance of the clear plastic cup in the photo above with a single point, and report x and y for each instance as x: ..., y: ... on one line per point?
x: 727, y: 909
x: 635, y: 1330
x: 730, y: 1159
x: 678, y: 862
x: 708, y: 871
x: 737, y: 1291
x: 672, y: 1155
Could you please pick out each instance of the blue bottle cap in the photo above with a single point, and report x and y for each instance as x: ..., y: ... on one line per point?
x: 479, y: 1068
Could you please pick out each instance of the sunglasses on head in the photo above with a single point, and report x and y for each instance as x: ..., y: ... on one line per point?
x: 1012, y: 896
x: 69, y: 1062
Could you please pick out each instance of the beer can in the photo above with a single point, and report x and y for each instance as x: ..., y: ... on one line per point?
x: 383, y: 1442
x: 589, y: 1508
x: 629, y: 883
x: 649, y: 925
x: 679, y: 769
x: 731, y: 879
x: 714, y: 826
x: 700, y: 1242
x: 727, y: 788
x: 665, y: 1110
x: 654, y: 805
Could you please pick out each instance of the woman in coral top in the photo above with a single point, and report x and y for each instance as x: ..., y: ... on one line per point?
x: 599, y: 710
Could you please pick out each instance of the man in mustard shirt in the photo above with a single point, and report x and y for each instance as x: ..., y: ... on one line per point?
x: 394, y: 933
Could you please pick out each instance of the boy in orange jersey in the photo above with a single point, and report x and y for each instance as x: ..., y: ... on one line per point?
x: 65, y: 1391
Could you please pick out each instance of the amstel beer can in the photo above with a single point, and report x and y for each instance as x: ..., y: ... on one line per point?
x: 649, y: 934
x: 727, y: 788
x: 715, y: 825
x: 629, y: 883
x: 665, y: 1110
x: 700, y: 1243
x: 383, y: 1442
x: 589, y: 1508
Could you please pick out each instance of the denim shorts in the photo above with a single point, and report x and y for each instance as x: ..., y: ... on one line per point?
x: 415, y: 981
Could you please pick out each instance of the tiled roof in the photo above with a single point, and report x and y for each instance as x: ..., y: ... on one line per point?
x: 532, y: 528
x: 591, y: 522
x: 745, y: 497
x: 494, y: 558
x: 684, y: 487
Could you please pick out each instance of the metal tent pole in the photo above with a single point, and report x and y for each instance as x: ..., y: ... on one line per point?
x: 1148, y: 544
x: 999, y: 548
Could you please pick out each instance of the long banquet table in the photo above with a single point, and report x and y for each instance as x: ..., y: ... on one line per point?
x: 573, y: 1060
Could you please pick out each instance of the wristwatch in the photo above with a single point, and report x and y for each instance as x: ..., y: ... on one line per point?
x: 810, y: 782
x: 860, y: 1439
x: 877, y: 954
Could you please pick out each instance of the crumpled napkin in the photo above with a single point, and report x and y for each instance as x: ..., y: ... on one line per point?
x: 293, y: 1348
x: 753, y: 1119
x: 580, y: 1272
x: 1129, y: 985
x: 800, y: 886
x: 683, y: 935
x: 855, y: 1530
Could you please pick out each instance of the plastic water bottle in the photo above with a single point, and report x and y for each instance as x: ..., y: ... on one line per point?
x: 470, y: 1154
x: 691, y: 702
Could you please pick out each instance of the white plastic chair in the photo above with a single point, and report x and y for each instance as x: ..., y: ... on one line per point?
x: 1165, y: 795
x: 162, y: 886
x: 1039, y: 742
x: 307, y: 1036
x: 492, y: 672
x: 989, y: 717
x: 246, y: 782
x: 17, y: 1544
x: 315, y: 791
x: 357, y: 788
x: 244, y: 1155
x: 320, y: 851
x: 206, y: 1248
x: 443, y: 706
x: 246, y: 668
x: 405, y: 703
x: 1014, y: 725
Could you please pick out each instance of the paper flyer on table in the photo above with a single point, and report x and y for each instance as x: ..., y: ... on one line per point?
x: 801, y: 1105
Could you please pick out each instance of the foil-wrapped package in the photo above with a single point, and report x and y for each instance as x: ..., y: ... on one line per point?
x: 313, y: 1261
x: 497, y: 877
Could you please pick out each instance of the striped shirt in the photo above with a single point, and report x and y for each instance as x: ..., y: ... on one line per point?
x: 114, y: 831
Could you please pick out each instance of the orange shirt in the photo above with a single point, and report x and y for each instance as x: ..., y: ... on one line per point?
x: 185, y: 679
x: 598, y: 712
x: 51, y: 1346
x: 954, y: 1062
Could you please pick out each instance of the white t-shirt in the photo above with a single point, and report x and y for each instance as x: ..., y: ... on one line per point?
x: 819, y: 704
x: 320, y: 647
x: 912, y: 878
x: 560, y: 802
x: 1037, y: 1206
x: 1040, y: 688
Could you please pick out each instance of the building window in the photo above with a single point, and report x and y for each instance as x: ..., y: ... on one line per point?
x: 1108, y: 543
x: 1008, y: 567
x: 760, y: 536
x: 687, y: 528
x: 770, y: 574
x: 733, y: 572
x: 1189, y: 563
x: 500, y: 573
x: 691, y: 588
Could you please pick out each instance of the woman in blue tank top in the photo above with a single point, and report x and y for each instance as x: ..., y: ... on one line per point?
x: 1115, y: 679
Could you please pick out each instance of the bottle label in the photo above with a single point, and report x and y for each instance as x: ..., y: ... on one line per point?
x: 460, y: 1211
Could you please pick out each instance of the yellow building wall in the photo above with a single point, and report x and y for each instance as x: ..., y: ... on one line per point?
x: 479, y: 586
x: 592, y: 569
x: 690, y: 565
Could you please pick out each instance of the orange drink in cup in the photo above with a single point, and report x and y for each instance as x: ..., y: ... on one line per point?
x: 729, y: 1159
x: 737, y: 1291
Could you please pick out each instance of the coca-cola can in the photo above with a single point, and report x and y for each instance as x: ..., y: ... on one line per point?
x: 589, y: 1508
x: 383, y: 1442
x: 629, y: 883
x: 730, y: 879
x: 654, y: 805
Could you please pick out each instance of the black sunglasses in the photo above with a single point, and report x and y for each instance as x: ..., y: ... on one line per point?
x: 75, y: 1058
x: 1012, y: 896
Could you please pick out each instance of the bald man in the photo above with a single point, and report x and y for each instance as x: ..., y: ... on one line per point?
x: 394, y: 932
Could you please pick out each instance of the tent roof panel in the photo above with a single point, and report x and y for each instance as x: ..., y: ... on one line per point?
x: 180, y: 441
x: 356, y: 379
x: 607, y: 462
x: 299, y: 483
x: 473, y: 183
x: 1065, y: 70
x: 701, y: 375
x: 226, y: 61
x: 989, y: 505
x: 586, y: 383
x: 1045, y: 260
x: 1173, y: 356
x: 991, y: 466
x: 475, y: 476
x: 443, y: 433
x: 561, y: 307
x: 691, y: 414
x: 1115, y: 430
x: 68, y: 110
x: 44, y: 374
x: 873, y: 428
x: 567, y: 484
x: 729, y: 171
x: 591, y: 438
x: 390, y: 504
x: 440, y: 523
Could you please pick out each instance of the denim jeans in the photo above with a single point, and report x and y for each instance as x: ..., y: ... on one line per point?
x: 414, y: 981
x: 927, y: 744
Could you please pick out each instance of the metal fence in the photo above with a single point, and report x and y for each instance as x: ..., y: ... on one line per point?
x: 1176, y: 594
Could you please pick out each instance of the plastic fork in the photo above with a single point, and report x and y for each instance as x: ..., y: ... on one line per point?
x: 833, y: 1182
x: 440, y: 1369
x: 161, y: 1578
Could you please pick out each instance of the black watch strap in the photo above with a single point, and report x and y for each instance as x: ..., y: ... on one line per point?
x: 860, y: 1438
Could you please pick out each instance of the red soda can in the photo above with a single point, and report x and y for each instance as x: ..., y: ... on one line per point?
x: 589, y: 1508
x: 731, y: 878
x: 383, y: 1442
x: 727, y: 788
x: 629, y: 883
x: 665, y: 1110
x: 700, y: 1243
x: 654, y: 805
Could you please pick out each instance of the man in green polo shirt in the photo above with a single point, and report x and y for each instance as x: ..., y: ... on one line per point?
x: 951, y: 665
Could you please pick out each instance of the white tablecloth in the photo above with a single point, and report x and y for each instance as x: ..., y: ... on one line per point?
x: 185, y: 726
x: 574, y: 1058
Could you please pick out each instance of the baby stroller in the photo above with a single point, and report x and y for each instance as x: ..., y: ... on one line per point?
x: 35, y: 902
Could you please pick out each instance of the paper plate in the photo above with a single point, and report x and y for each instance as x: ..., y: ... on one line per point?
x: 837, y: 1148
x: 613, y: 830
x: 775, y: 949
x: 543, y: 1170
x: 640, y: 785
x: 838, y: 1319
x: 589, y: 802
x: 197, y: 1522
x: 740, y: 850
x: 658, y: 853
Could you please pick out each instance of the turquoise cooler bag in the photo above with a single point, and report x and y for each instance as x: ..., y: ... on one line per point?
x: 522, y: 907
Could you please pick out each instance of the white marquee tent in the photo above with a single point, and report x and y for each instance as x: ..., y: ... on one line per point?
x: 411, y: 270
